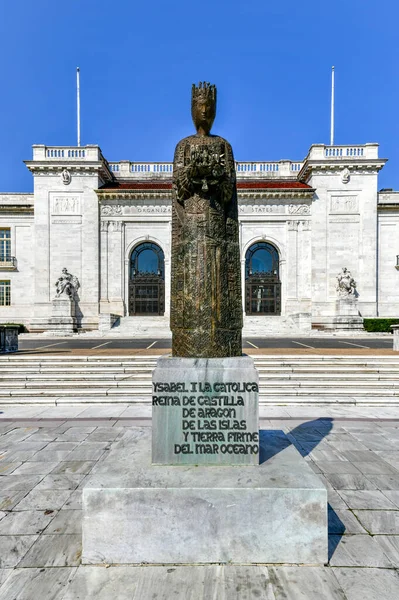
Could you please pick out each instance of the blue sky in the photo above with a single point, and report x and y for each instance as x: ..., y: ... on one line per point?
x: 271, y: 62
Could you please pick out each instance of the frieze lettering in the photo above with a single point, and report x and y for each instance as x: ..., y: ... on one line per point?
x: 154, y: 209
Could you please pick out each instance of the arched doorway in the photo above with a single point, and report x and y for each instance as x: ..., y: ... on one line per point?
x: 262, y: 280
x: 147, y: 280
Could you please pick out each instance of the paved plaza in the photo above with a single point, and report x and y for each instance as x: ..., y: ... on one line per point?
x: 48, y: 453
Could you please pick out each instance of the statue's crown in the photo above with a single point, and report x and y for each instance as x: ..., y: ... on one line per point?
x: 203, y: 92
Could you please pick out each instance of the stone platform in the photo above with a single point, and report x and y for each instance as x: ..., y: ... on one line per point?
x: 134, y: 512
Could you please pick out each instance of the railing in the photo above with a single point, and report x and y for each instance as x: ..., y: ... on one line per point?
x: 8, y: 263
x: 62, y: 153
x: 89, y: 152
x: 345, y: 151
x: 322, y: 152
x: 151, y: 167
x: 255, y: 166
x: 283, y: 168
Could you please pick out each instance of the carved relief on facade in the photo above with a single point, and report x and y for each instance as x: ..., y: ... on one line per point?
x: 104, y: 225
x: 293, y: 225
x: 111, y: 209
x: 344, y: 205
x: 154, y: 209
x: 345, y: 175
x: 116, y: 225
x: 65, y: 205
x: 299, y: 209
x: 66, y: 177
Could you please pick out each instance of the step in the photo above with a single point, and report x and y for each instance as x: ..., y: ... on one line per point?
x: 146, y: 383
x: 146, y: 376
x: 146, y: 391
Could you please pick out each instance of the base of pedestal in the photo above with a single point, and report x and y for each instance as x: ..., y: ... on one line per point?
x: 134, y: 512
x: 347, y: 314
x: 63, y: 320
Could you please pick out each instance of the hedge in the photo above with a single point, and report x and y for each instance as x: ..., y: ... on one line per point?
x: 380, y: 324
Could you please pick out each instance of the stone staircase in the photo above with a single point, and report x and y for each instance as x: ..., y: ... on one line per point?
x: 284, y: 379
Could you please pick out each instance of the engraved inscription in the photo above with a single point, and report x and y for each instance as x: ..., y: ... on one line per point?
x: 212, y: 416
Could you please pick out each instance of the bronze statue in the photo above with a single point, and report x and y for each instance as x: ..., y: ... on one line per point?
x: 206, y: 308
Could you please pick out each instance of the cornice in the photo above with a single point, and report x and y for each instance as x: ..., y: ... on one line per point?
x: 75, y: 168
x: 133, y: 194
x: 16, y: 209
x: 327, y: 167
x: 282, y: 194
x: 388, y: 207
x: 261, y: 194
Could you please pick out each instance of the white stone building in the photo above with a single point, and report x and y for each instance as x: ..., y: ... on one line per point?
x: 109, y: 224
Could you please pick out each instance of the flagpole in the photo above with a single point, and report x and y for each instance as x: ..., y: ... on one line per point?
x: 78, y: 101
x: 332, y: 105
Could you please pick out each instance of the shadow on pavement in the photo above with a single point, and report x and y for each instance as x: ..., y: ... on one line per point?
x: 305, y: 438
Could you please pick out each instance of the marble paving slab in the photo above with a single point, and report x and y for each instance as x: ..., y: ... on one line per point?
x: 357, y: 551
x: 44, y: 500
x: 54, y: 551
x: 167, y: 583
x: 390, y: 546
x: 30, y: 584
x: 368, y: 584
x: 13, y: 548
x: 35, y: 468
x: 66, y: 521
x: 366, y: 499
x: 393, y: 496
x: 343, y: 521
x: 310, y: 583
x: 27, y: 522
x: 379, y: 521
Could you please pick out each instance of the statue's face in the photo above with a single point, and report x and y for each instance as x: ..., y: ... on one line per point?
x: 203, y: 114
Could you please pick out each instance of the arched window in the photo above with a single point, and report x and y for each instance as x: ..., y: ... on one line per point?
x: 262, y: 280
x: 147, y: 280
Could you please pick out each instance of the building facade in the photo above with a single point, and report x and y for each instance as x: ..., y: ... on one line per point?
x: 109, y: 225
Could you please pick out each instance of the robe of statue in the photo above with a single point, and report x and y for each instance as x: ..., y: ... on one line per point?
x: 206, y: 306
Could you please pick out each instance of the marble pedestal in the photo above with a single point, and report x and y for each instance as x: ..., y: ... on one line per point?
x: 205, y: 411
x: 63, y: 319
x: 135, y: 512
x: 347, y: 313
